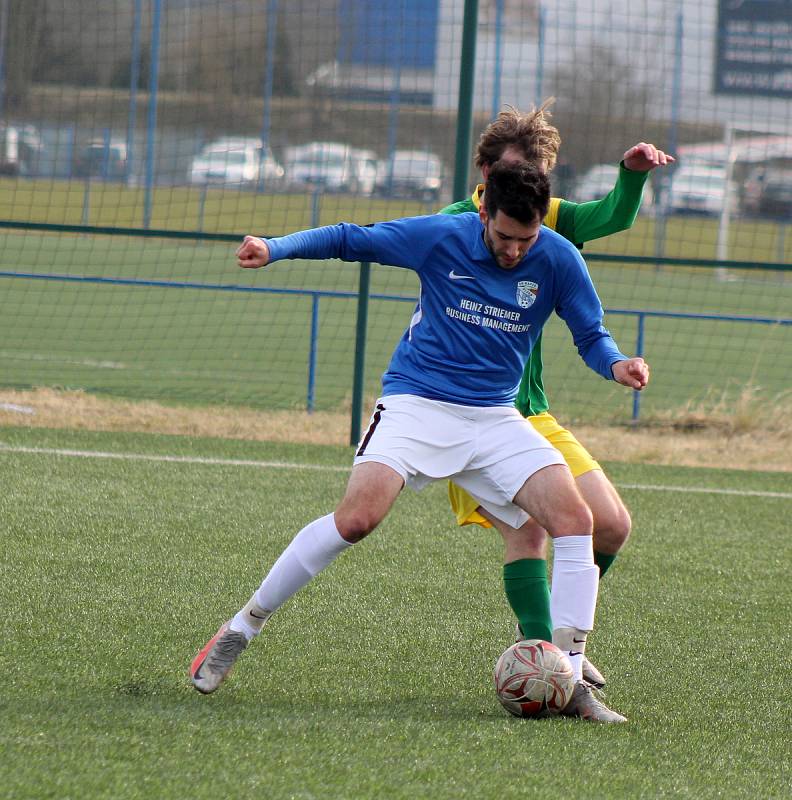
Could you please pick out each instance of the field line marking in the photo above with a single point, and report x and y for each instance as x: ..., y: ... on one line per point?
x: 241, y: 462
x: 223, y: 462
x: 645, y: 487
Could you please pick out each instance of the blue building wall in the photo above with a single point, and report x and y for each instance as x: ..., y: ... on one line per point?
x: 386, y: 33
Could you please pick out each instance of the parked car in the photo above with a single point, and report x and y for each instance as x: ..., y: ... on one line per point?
x: 598, y: 181
x: 414, y: 174
x: 595, y: 183
x: 365, y: 170
x: 332, y: 166
x: 102, y: 158
x: 698, y: 189
x: 21, y: 149
x: 767, y: 192
x: 236, y: 161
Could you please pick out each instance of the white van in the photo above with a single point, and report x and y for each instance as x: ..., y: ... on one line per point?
x: 21, y: 149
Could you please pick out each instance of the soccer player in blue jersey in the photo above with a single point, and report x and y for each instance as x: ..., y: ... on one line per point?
x: 489, y: 282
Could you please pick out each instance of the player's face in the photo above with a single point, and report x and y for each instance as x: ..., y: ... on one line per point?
x: 507, y: 239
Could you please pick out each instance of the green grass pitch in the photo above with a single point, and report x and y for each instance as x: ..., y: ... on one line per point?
x: 374, y: 681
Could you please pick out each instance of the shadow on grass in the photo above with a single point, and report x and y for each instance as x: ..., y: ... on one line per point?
x: 138, y: 695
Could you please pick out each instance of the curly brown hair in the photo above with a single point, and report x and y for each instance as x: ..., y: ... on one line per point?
x: 521, y: 190
x: 530, y: 132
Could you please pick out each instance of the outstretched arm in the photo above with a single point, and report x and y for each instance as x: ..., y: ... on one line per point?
x: 583, y: 222
x: 399, y: 243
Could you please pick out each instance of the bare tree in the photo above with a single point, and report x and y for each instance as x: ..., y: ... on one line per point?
x: 596, y: 97
x: 23, y: 28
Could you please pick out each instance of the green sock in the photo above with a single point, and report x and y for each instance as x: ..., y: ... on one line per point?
x: 525, y: 584
x: 603, y: 561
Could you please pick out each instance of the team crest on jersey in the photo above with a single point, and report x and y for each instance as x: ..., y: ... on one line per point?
x: 526, y: 293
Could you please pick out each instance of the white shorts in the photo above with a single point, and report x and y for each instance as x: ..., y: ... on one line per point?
x: 490, y: 452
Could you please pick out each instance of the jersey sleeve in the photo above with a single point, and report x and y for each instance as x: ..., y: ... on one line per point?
x: 583, y: 222
x: 580, y: 308
x: 400, y: 243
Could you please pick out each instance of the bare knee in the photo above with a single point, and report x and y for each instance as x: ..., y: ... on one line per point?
x: 573, y: 518
x: 355, y: 523
x: 612, y: 521
x: 552, y: 498
x: 612, y: 530
x: 370, y: 492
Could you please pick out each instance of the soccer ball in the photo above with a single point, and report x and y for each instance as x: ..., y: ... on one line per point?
x: 533, y: 678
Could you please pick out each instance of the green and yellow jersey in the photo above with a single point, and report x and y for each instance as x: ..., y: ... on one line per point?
x: 580, y: 223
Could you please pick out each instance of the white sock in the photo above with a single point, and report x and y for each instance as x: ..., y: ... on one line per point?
x: 315, y: 547
x: 573, y: 599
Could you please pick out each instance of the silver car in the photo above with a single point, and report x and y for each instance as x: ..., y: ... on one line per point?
x: 236, y: 161
x: 698, y: 189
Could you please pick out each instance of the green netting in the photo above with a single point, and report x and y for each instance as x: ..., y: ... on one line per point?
x: 235, y: 117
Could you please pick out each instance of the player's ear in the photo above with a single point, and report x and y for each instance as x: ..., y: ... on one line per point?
x: 483, y: 216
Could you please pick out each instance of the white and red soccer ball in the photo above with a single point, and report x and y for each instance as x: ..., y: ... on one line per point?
x: 533, y: 678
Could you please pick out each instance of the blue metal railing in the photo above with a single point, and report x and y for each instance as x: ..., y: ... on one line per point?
x: 642, y: 314
x: 316, y: 294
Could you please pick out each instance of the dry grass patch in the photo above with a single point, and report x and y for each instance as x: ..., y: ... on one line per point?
x: 49, y: 408
x: 712, y: 434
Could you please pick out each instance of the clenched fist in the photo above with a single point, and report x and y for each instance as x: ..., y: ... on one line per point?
x: 253, y: 253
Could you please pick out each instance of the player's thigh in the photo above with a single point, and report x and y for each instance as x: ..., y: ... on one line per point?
x: 552, y: 498
x: 371, y: 491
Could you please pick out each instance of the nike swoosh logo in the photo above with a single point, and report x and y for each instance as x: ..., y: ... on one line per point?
x: 455, y: 277
x: 578, y: 641
x: 575, y: 653
x: 257, y: 616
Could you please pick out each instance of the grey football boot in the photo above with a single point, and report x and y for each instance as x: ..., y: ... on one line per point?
x: 586, y: 705
x: 212, y: 665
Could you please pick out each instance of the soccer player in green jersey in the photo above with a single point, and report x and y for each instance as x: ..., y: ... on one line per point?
x: 516, y: 136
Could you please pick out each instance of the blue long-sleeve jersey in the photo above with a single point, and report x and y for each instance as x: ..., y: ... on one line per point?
x: 475, y: 322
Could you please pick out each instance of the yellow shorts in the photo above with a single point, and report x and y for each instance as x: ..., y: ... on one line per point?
x: 576, y: 456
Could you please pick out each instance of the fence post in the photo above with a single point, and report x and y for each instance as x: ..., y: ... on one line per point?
x: 309, y: 403
x: 467, y: 75
x: 360, y: 352
x: 497, y: 78
x: 151, y: 121
x: 202, y: 207
x: 316, y: 197
x: 639, y: 348
x: 105, y: 168
x: 3, y: 44
x: 540, y: 55
x: 269, y: 76
x: 134, y: 80
x: 86, y: 205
